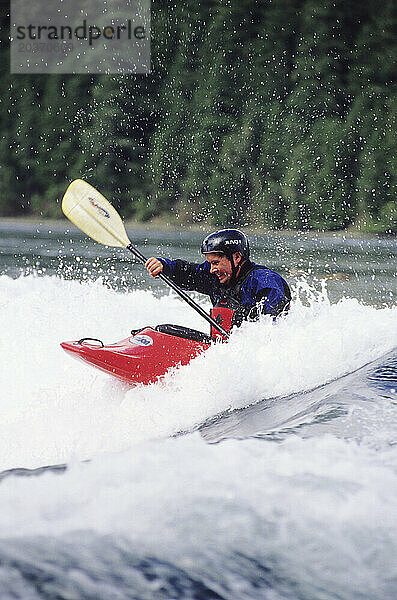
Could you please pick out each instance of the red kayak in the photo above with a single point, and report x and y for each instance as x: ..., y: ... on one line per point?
x: 146, y: 355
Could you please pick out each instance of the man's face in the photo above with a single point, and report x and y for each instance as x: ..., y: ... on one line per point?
x: 221, y: 266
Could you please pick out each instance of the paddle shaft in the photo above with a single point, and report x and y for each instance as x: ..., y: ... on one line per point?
x: 181, y: 293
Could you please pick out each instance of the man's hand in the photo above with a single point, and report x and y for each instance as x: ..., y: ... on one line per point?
x: 154, y: 266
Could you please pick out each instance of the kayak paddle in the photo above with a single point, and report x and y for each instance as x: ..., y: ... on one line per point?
x: 93, y: 214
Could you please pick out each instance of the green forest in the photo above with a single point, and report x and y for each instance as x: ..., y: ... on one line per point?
x: 276, y: 114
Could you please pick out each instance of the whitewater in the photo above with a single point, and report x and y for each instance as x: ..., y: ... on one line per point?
x: 267, y: 468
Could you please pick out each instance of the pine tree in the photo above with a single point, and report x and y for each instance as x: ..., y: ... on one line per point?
x: 372, y: 118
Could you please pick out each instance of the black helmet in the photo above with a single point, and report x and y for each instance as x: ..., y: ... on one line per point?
x: 226, y: 241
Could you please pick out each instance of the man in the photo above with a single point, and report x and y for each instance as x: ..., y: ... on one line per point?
x: 239, y: 289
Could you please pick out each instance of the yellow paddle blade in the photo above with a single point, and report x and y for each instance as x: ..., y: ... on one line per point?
x: 93, y: 214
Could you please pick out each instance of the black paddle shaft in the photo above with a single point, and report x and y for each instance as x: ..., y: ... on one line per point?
x: 181, y: 293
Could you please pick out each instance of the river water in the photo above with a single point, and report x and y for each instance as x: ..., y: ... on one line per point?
x: 267, y: 468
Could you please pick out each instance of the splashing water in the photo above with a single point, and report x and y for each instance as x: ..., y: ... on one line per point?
x: 70, y: 409
x: 305, y: 517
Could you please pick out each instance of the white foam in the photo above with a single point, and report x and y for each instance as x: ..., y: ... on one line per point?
x: 318, y: 509
x: 54, y: 408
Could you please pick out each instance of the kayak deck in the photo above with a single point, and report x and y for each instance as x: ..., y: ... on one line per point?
x: 145, y: 356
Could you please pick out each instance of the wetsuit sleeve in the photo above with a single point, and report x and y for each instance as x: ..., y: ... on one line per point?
x: 189, y: 276
x: 270, y: 294
x: 270, y: 301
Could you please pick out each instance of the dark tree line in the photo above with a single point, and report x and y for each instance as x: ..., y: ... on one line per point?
x: 278, y: 114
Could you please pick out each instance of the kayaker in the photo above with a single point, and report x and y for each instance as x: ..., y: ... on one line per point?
x: 229, y: 278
